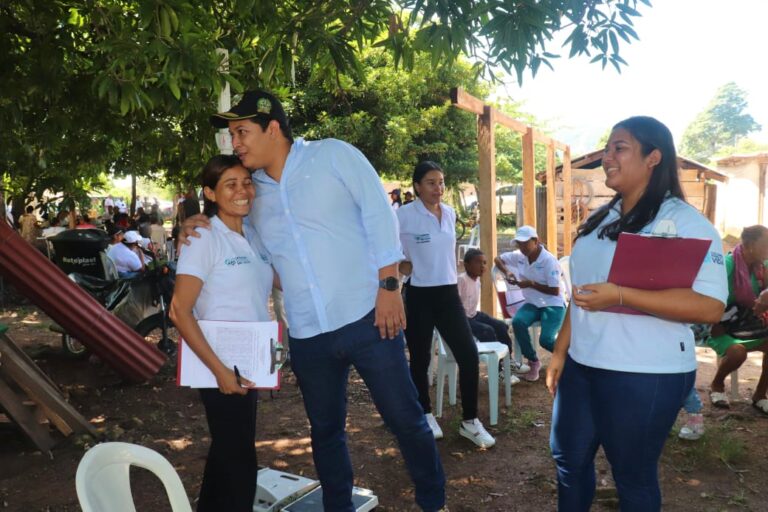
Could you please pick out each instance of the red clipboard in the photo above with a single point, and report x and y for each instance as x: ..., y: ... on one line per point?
x: 652, y: 262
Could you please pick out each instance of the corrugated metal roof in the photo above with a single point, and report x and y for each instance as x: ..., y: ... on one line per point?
x: 78, y: 313
x: 594, y: 159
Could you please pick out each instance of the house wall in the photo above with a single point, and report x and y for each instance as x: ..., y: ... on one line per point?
x: 589, y: 186
x: 737, y: 202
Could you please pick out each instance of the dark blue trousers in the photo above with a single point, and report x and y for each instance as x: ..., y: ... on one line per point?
x: 321, y: 365
x: 629, y: 415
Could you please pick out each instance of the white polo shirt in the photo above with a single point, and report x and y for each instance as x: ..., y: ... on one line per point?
x: 429, y: 244
x: 235, y: 270
x: 545, y: 270
x: 124, y: 258
x: 641, y: 343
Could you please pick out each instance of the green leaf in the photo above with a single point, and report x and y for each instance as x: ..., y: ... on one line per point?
x: 174, y: 87
x: 614, y: 42
x: 124, y: 104
x: 235, y: 83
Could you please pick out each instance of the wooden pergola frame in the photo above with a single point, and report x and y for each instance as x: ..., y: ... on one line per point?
x: 487, y: 118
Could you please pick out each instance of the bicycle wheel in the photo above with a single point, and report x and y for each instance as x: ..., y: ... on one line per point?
x: 151, y: 329
x: 461, y: 228
x: 72, y: 347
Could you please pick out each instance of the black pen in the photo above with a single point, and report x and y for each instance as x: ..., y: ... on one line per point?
x: 237, y: 376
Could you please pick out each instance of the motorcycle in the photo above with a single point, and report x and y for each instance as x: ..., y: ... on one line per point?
x: 142, y: 302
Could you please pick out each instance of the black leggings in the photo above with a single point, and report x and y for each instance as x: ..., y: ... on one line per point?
x: 229, y: 480
x: 440, y: 306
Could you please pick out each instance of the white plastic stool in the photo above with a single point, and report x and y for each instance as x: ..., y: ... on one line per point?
x: 489, y: 353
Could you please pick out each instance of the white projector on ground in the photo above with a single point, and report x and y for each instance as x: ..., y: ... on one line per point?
x: 283, y: 492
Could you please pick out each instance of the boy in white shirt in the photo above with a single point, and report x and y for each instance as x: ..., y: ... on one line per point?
x: 484, y: 327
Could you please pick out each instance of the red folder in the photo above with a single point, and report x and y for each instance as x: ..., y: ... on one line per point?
x: 652, y: 262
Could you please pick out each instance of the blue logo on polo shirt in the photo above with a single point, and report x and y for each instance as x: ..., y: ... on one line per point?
x: 422, y: 239
x: 237, y: 260
x: 717, y: 258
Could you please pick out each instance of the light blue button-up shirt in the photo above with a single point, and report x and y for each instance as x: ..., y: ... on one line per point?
x: 328, y: 228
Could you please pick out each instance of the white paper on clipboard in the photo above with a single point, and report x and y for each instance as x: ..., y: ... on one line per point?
x: 254, y: 347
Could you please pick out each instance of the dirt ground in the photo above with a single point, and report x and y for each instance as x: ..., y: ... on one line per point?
x: 722, y: 471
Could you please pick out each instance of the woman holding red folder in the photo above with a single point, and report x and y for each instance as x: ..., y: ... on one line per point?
x: 224, y: 276
x: 619, y: 379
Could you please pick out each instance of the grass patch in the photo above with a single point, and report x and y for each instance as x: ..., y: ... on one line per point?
x: 717, y: 445
x: 731, y: 450
x: 524, y: 419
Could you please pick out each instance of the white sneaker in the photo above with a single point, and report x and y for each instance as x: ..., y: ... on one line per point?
x: 432, y: 422
x: 519, y: 367
x: 513, y: 379
x: 693, y: 428
x: 475, y: 432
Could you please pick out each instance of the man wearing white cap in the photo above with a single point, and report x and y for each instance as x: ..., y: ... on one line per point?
x: 538, y: 275
x: 126, y: 254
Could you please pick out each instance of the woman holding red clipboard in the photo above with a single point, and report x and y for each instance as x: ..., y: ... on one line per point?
x: 620, y: 379
x: 224, y: 276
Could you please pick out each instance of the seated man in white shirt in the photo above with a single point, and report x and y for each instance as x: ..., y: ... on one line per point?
x: 484, y: 327
x: 539, y: 276
x: 126, y: 254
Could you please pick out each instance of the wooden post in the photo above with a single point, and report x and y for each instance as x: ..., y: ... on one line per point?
x: 486, y: 199
x: 551, y: 200
x: 710, y: 201
x: 567, y: 207
x: 529, y: 180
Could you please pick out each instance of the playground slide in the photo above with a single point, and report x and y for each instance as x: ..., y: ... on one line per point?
x: 72, y: 308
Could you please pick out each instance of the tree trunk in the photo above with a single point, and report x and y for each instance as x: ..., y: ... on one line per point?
x: 133, y: 195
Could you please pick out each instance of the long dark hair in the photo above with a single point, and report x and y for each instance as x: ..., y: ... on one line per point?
x: 212, y: 172
x: 651, y: 134
x: 421, y: 170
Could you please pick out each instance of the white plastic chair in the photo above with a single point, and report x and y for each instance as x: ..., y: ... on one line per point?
x: 474, y: 242
x: 735, y: 385
x: 103, y: 478
x: 490, y: 353
x: 170, y: 249
x: 734, y: 378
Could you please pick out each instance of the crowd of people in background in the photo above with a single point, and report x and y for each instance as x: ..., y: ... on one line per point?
x: 136, y: 239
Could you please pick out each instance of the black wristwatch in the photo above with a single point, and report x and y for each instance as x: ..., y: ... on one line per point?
x: 390, y: 284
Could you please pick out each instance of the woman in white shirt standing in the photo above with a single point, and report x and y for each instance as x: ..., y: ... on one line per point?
x: 427, y: 233
x: 225, y: 275
x: 620, y: 379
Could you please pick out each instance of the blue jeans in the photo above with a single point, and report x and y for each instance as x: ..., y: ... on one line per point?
x: 630, y: 415
x: 551, y: 318
x: 321, y: 365
x: 692, y: 404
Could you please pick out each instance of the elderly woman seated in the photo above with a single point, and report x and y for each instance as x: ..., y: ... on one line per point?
x: 746, y: 282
